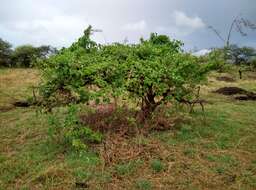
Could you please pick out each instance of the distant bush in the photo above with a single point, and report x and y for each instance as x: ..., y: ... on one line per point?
x: 28, y: 55
x: 23, y: 56
x: 252, y: 64
x: 217, y: 60
x: 239, y: 55
x: 233, y: 54
x: 5, y: 53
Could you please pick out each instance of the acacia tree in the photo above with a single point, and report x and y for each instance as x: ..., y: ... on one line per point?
x: 46, y: 51
x: 240, y: 55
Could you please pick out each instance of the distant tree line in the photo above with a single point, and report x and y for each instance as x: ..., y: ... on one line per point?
x: 239, y: 55
x: 24, y: 55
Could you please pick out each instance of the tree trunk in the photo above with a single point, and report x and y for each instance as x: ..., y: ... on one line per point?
x: 148, y: 105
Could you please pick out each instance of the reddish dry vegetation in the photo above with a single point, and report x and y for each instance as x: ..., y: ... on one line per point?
x: 126, y: 122
x: 122, y: 124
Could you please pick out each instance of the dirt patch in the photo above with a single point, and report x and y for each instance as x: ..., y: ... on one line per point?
x: 25, y: 104
x: 231, y: 91
x: 225, y: 78
x: 246, y: 97
x: 243, y: 94
x: 252, y: 75
x: 22, y: 104
x: 6, y: 108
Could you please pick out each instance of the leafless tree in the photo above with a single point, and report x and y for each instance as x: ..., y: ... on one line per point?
x: 240, y: 24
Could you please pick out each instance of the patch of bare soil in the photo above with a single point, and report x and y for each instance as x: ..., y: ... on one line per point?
x: 225, y: 78
x: 242, y: 94
x: 6, y: 108
x: 23, y: 104
x: 246, y: 97
x: 252, y: 75
x: 231, y: 91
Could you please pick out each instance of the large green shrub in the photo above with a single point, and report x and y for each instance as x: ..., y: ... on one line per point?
x: 153, y: 72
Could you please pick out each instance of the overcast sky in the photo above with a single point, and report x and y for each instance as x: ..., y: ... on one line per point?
x: 60, y: 22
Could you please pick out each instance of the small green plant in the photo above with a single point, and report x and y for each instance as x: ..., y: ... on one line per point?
x: 82, y: 174
x: 157, y: 165
x: 226, y: 160
x: 70, y: 131
x: 189, y: 153
x: 143, y: 184
x: 127, y: 168
x: 220, y: 170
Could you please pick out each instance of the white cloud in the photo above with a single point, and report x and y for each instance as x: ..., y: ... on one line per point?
x: 202, y: 52
x: 58, y: 30
x: 182, y: 20
x: 181, y: 25
x: 136, y: 26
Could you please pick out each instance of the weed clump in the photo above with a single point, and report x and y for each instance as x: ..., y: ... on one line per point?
x: 70, y: 131
x: 143, y: 184
x: 157, y: 165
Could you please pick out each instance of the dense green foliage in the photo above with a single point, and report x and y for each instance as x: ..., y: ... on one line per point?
x: 153, y: 72
x: 5, y: 53
x: 28, y: 55
x: 23, y: 56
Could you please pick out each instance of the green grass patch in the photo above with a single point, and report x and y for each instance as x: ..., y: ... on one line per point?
x: 128, y: 168
x: 157, y: 165
x: 143, y: 184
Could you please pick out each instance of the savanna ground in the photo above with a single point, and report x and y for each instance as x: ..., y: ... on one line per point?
x: 211, y: 150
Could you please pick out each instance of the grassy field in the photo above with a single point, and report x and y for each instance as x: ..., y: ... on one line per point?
x: 214, y: 150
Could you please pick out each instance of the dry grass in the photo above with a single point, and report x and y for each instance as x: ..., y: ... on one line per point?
x: 15, y: 84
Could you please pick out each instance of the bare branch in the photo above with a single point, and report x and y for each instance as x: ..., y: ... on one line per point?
x: 239, y: 29
x: 217, y: 33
